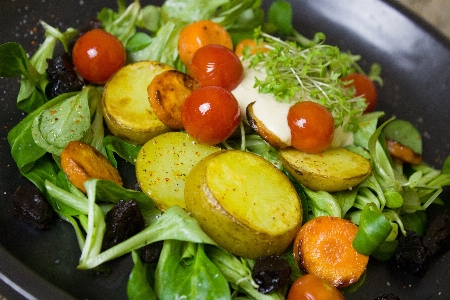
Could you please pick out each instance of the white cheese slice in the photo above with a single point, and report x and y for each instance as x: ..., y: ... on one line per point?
x: 273, y: 113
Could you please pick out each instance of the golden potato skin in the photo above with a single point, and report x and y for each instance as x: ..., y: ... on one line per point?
x: 164, y: 162
x: 126, y: 108
x: 244, y: 203
x: 333, y: 170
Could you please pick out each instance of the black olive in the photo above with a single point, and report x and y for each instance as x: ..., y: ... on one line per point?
x: 414, y: 253
x: 31, y: 206
x: 122, y: 222
x: 150, y: 253
x: 437, y: 235
x: 271, y: 273
x: 411, y: 256
x: 62, y: 76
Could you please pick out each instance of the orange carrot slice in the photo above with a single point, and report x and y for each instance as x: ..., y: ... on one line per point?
x: 323, y: 247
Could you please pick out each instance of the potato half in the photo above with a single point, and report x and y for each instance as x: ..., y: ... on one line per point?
x: 333, y: 170
x: 164, y: 162
x: 244, y: 203
x: 126, y: 108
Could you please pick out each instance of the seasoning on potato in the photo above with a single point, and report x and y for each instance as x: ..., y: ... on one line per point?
x: 243, y: 203
x: 164, y: 162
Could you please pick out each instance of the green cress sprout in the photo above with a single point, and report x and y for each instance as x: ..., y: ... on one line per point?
x: 310, y: 72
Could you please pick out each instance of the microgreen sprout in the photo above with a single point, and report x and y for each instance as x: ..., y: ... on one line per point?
x: 313, y: 72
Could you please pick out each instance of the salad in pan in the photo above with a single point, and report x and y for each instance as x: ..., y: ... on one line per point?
x: 264, y: 170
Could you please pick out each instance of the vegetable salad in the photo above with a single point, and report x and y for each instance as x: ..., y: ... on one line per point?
x: 388, y: 202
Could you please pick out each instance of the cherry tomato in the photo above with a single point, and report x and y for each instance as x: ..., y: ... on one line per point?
x: 364, y: 87
x: 210, y: 114
x: 311, y: 287
x: 312, y: 127
x: 216, y: 65
x: 198, y: 34
x: 97, y: 55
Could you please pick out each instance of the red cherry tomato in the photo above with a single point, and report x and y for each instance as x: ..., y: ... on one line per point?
x: 312, y: 127
x: 210, y: 114
x: 97, y: 55
x: 311, y: 287
x: 364, y: 87
x: 216, y: 65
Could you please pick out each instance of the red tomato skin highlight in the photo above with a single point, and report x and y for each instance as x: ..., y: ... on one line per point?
x: 210, y: 114
x: 97, y: 55
x: 311, y: 287
x: 216, y: 65
x: 364, y: 87
x: 312, y: 127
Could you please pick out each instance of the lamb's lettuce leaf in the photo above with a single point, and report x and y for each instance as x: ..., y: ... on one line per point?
x: 140, y: 283
x: 67, y: 121
x: 196, y: 276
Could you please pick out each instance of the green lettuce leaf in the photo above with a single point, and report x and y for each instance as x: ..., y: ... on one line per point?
x: 197, y: 277
x: 68, y: 121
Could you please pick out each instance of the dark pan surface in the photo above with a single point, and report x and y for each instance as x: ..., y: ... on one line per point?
x: 416, y: 71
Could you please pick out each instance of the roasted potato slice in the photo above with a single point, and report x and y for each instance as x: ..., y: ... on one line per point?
x: 333, y: 170
x: 243, y: 203
x: 126, y: 108
x: 166, y: 94
x: 164, y: 162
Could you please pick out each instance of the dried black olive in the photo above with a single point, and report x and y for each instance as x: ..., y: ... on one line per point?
x: 414, y: 253
x: 31, y: 206
x: 122, y: 222
x: 437, y: 235
x: 62, y: 76
x: 411, y: 256
x: 388, y: 297
x: 271, y: 273
x: 150, y: 253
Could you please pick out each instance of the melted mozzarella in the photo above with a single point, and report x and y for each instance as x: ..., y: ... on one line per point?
x: 273, y: 113
x: 245, y: 93
x: 269, y: 111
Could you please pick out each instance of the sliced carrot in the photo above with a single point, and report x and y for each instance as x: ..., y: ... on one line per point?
x: 81, y: 162
x: 403, y: 153
x: 323, y: 247
x: 199, y: 34
x: 167, y: 93
x: 251, y: 45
